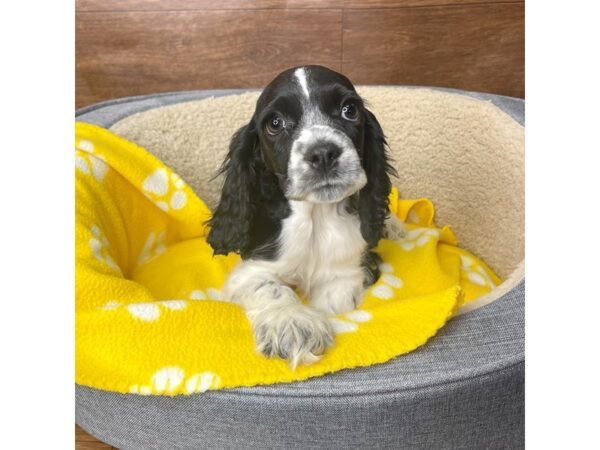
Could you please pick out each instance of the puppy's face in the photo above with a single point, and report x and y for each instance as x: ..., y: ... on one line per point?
x: 310, y: 139
x: 310, y: 124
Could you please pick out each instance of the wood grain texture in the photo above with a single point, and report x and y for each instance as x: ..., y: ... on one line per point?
x: 133, y: 53
x: 85, y: 441
x: 475, y: 47
x: 190, y: 5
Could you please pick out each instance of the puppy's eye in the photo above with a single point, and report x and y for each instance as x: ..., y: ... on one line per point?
x: 275, y: 125
x: 350, y: 112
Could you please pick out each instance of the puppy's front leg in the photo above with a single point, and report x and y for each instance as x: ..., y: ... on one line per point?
x: 282, y: 325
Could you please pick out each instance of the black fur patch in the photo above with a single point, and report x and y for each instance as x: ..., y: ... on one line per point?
x: 370, y: 265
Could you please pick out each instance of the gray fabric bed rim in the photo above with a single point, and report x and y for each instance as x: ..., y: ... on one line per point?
x: 464, y: 389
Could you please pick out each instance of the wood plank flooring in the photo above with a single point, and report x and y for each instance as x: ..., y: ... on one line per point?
x: 85, y: 441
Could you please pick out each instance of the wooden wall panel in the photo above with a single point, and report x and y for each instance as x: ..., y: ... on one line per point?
x: 133, y: 47
x: 173, y: 5
x: 470, y: 47
x: 133, y: 53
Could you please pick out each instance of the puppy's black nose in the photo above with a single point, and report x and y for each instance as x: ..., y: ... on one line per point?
x: 323, y: 156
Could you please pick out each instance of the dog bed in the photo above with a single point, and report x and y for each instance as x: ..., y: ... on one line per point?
x: 473, y: 151
x: 149, y: 313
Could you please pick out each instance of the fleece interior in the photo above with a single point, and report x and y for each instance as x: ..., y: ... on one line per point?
x: 465, y: 154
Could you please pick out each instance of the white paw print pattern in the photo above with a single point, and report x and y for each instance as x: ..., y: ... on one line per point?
x: 110, y: 305
x: 154, y: 246
x: 174, y: 305
x: 354, y: 319
x: 150, y: 311
x: 168, y: 380
x: 165, y: 191
x: 202, y: 382
x: 88, y: 163
x: 417, y: 238
x: 101, y: 249
x: 475, y: 273
x: 413, y: 217
x: 211, y: 294
x: 147, y: 312
x: 197, y: 294
x: 140, y: 390
x: 384, y: 289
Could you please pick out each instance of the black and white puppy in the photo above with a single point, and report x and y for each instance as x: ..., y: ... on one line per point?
x: 305, y: 198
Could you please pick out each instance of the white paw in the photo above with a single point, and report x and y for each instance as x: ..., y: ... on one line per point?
x: 293, y: 332
x: 394, y: 229
x: 337, y: 297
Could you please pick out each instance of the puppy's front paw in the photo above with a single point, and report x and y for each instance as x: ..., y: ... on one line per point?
x: 337, y: 297
x: 293, y: 332
x: 394, y: 229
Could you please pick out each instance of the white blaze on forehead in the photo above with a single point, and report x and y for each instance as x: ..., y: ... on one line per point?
x: 300, y: 75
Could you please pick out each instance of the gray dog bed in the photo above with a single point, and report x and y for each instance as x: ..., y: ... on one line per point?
x: 463, y: 389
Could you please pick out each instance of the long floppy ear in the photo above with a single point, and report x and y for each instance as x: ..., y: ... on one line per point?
x: 231, y: 221
x: 373, y: 201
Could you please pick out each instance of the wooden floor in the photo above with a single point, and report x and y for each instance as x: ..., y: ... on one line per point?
x: 84, y: 441
x: 134, y: 47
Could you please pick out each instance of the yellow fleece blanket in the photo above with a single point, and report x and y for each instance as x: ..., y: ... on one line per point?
x: 149, y: 314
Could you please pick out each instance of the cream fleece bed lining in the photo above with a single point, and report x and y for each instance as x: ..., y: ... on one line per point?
x: 465, y: 154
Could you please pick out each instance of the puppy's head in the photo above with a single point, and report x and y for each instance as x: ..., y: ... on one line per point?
x: 312, y: 137
x: 311, y: 126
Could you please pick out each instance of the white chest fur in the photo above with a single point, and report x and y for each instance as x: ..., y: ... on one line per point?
x: 320, y: 252
x: 319, y: 243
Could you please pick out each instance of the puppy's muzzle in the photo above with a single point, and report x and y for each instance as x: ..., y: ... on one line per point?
x: 323, y: 156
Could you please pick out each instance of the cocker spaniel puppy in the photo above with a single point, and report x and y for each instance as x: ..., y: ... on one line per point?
x: 304, y: 201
